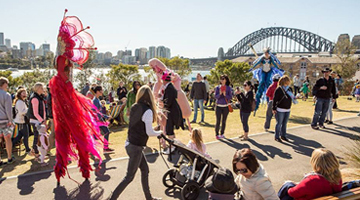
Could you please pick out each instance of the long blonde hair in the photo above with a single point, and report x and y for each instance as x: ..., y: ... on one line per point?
x: 324, y: 162
x: 145, y: 95
x: 284, y: 80
x: 196, y: 137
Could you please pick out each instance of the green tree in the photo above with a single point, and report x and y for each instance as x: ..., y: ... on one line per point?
x: 347, y: 67
x: 13, y: 82
x: 237, y: 72
x: 125, y: 73
x: 180, y: 66
x: 30, y: 78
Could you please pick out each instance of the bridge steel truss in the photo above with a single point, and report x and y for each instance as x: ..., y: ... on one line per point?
x: 310, y: 41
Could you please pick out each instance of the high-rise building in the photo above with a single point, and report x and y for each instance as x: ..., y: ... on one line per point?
x: 167, y: 53
x: 108, y: 55
x: 128, y: 52
x: 137, y: 54
x: 15, y: 53
x: 120, y: 54
x: 356, y: 41
x: 8, y: 43
x: 24, y: 47
x: 1, y: 38
x: 152, y: 52
x: 161, y: 52
x: 142, y: 56
x: 344, y: 37
x: 129, y: 60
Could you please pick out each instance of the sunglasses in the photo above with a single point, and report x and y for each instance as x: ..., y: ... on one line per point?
x: 241, y: 171
x: 245, y: 85
x: 222, y: 79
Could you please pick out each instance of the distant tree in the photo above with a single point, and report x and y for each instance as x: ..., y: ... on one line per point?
x: 180, y: 66
x: 347, y: 67
x: 13, y: 82
x: 237, y: 72
x: 30, y: 78
x: 125, y: 73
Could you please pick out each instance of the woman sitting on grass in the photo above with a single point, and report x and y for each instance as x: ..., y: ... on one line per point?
x: 324, y: 180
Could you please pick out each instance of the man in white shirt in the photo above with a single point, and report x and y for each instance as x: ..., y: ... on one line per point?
x: 297, y: 84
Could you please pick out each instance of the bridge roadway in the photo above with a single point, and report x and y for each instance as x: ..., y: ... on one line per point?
x: 288, y: 161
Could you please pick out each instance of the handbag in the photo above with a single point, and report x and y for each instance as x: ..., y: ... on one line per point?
x: 229, y: 106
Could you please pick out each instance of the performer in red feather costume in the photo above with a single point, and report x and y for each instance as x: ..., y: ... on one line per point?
x: 75, y: 119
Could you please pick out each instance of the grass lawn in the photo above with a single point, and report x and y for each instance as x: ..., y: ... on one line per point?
x: 301, y: 114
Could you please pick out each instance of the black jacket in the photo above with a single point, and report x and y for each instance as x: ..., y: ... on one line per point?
x: 121, y: 94
x: 245, y: 101
x: 171, y: 105
x: 49, y: 106
x: 325, y: 94
x: 198, y: 91
x: 281, y: 99
x: 41, y: 109
x: 137, y: 132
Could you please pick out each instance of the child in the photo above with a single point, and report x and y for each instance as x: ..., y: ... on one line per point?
x: 305, y: 90
x: 196, y: 142
x: 43, y: 143
x: 103, y: 107
x: 357, y: 92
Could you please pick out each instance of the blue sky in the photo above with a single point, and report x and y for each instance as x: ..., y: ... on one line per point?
x: 194, y: 28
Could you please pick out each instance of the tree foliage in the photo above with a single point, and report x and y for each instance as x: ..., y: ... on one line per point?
x: 180, y: 66
x: 125, y: 73
x: 13, y: 82
x: 237, y: 72
x: 347, y: 67
x: 28, y: 79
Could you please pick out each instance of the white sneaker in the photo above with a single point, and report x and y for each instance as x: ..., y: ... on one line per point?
x: 167, y: 151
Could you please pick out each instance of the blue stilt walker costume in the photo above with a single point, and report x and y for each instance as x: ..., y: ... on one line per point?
x: 269, y: 67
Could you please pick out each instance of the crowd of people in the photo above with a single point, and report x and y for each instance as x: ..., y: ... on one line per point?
x: 22, y: 115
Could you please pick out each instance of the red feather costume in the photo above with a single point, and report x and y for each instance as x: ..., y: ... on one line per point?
x: 75, y: 118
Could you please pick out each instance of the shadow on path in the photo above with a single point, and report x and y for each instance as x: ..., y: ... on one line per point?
x: 299, y: 120
x: 301, y: 145
x: 270, y: 151
x: 235, y: 145
x: 87, y: 190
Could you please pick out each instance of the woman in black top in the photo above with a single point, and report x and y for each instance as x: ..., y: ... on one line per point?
x: 142, y: 115
x: 245, y: 98
x: 282, y: 101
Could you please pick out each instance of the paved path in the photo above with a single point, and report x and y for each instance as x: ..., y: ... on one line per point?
x: 288, y: 161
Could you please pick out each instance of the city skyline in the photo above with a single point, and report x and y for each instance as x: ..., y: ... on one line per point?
x: 193, y: 29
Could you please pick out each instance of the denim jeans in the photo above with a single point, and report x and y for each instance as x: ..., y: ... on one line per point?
x: 199, y: 103
x: 281, y: 123
x: 221, y: 111
x: 329, y: 115
x: 136, y: 160
x: 283, y: 192
x: 269, y: 115
x: 321, y: 109
x: 244, y: 117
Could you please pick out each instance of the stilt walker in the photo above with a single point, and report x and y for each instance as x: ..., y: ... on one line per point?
x: 75, y: 119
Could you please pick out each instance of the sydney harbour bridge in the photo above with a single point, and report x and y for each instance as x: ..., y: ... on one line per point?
x: 279, y: 39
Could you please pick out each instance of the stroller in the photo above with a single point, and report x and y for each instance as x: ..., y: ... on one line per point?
x: 190, y: 172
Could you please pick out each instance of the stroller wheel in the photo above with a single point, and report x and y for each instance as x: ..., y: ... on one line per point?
x: 190, y: 191
x: 168, y: 178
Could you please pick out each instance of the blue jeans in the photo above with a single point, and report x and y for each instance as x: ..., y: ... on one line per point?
x: 321, y: 109
x: 199, y: 103
x: 281, y: 123
x: 105, y: 132
x: 283, y: 192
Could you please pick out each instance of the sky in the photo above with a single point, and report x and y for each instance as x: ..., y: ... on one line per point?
x: 190, y: 28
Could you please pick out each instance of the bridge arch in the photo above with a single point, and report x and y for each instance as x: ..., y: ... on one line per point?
x: 310, y: 41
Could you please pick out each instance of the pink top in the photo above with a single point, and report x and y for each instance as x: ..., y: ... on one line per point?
x: 35, y: 104
x: 193, y: 146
